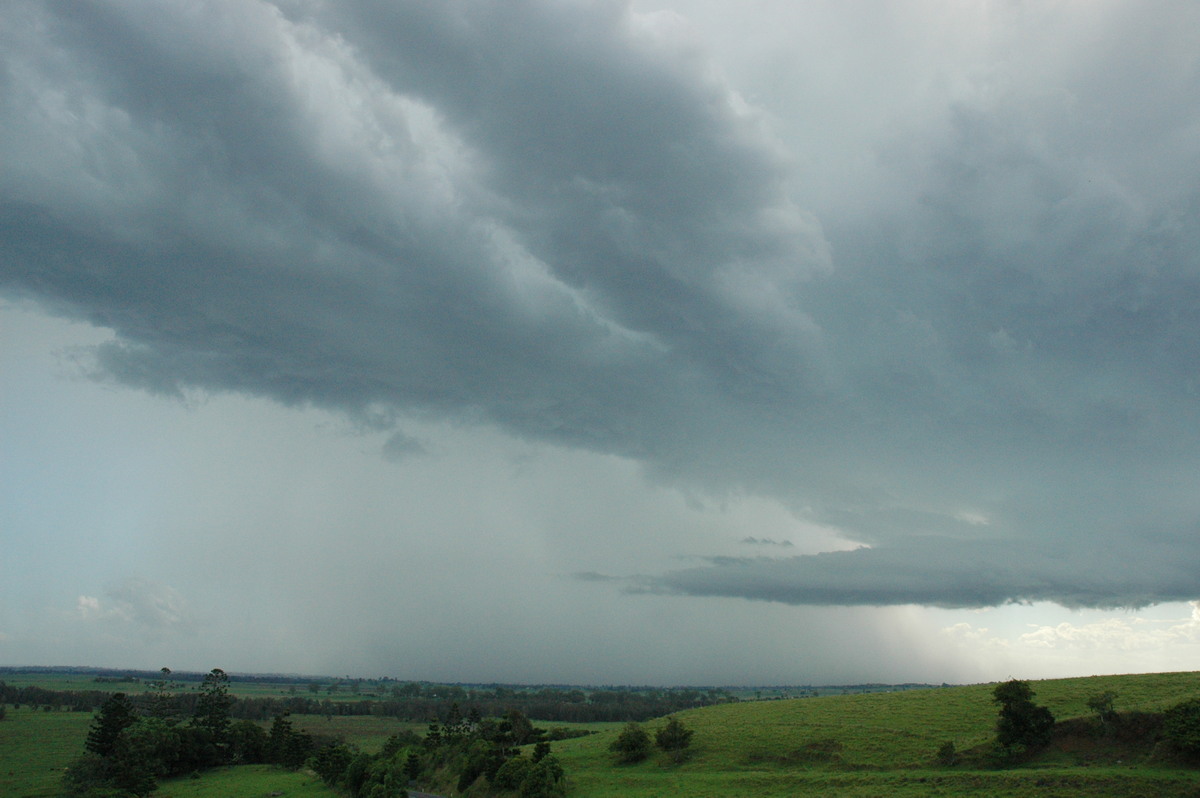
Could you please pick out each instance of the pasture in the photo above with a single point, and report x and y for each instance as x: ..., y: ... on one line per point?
x: 873, y: 744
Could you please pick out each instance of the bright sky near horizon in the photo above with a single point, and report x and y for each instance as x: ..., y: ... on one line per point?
x: 594, y: 341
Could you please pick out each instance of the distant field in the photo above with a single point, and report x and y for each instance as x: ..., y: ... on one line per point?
x: 368, y: 732
x: 75, y: 681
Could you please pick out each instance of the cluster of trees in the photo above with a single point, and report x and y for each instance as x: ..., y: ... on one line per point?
x: 129, y: 749
x: 633, y: 743
x: 1023, y: 727
x: 76, y: 700
x: 460, y: 751
x: 407, y: 701
x: 131, y: 746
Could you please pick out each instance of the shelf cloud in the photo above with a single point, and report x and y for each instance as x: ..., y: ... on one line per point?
x: 962, y: 332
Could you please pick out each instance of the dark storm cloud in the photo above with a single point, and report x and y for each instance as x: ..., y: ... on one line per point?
x: 947, y: 574
x: 558, y: 218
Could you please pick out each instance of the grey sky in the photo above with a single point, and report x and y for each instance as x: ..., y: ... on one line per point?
x: 531, y: 334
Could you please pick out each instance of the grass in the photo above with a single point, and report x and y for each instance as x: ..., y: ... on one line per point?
x: 247, y: 781
x: 872, y: 744
x: 35, y: 746
x: 368, y: 732
x: 881, y: 744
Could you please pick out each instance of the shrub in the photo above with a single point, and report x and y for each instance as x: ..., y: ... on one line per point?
x: 947, y: 755
x: 674, y: 738
x: 512, y: 773
x: 1102, y: 705
x: 632, y: 744
x: 544, y: 780
x: 1181, y: 727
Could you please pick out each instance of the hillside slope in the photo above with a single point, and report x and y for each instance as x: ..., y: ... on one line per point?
x: 884, y: 743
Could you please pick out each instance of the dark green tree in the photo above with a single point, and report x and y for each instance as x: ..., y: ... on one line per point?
x: 247, y: 743
x: 520, y: 727
x: 115, y: 716
x: 1102, y: 705
x: 1021, y: 722
x: 1181, y: 727
x: 212, y: 706
x: 412, y: 766
x: 163, y: 705
x: 279, y: 738
x: 208, y: 743
x: 674, y: 737
x: 632, y: 744
x: 330, y: 762
x: 146, y: 752
x: 433, y: 735
x: 512, y: 773
x: 544, y: 780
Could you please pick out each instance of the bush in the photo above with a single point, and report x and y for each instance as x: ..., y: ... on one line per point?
x: 674, y: 738
x: 947, y: 755
x: 544, y: 780
x: 632, y: 744
x: 1102, y: 705
x: 1181, y: 727
x: 512, y: 773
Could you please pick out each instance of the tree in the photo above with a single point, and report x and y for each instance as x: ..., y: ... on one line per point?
x: 330, y: 762
x: 674, y: 737
x: 1021, y: 722
x: 412, y: 766
x: 209, y: 744
x: 433, y: 736
x: 146, y: 752
x: 115, y: 716
x: 632, y: 744
x: 163, y: 704
x: 512, y: 773
x: 247, y: 743
x: 1181, y: 727
x: 1102, y: 705
x: 212, y: 707
x: 543, y: 780
x: 520, y: 727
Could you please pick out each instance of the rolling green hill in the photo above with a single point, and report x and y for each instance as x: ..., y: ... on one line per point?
x: 886, y: 744
x: 875, y: 744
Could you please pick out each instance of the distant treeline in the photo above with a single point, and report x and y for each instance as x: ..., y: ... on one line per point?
x: 415, y: 702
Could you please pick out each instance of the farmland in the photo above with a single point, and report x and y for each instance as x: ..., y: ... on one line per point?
x: 880, y: 743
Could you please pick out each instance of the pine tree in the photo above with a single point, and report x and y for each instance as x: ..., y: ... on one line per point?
x: 115, y: 716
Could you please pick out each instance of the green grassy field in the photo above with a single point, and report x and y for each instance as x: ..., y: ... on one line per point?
x: 248, y: 781
x: 881, y: 744
x: 875, y: 744
x: 35, y: 746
